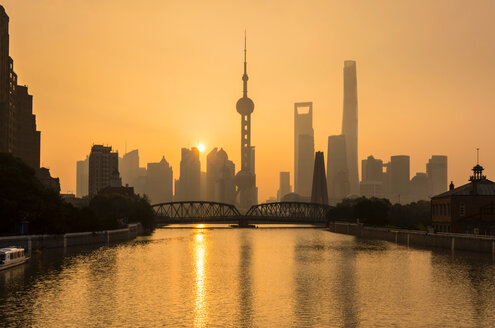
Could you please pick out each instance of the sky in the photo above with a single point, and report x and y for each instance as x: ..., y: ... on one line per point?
x: 160, y: 75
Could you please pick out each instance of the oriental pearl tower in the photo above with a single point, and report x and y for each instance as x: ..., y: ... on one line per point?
x: 247, y: 192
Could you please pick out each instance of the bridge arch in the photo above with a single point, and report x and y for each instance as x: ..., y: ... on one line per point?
x: 195, y: 211
x: 296, y: 212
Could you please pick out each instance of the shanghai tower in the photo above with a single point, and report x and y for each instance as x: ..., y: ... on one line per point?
x: 246, y: 177
x: 350, y: 124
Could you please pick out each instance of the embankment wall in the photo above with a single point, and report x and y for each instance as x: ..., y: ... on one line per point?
x: 453, y: 241
x: 72, y: 239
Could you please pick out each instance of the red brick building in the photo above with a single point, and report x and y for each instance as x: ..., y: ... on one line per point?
x: 469, y: 208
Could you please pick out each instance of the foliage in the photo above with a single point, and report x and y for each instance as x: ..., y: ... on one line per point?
x: 379, y: 212
x: 23, y: 198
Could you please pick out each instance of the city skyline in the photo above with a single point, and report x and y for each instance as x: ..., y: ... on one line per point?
x: 437, y: 95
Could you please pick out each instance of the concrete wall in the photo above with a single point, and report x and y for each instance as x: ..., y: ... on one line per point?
x: 72, y: 239
x: 454, y: 241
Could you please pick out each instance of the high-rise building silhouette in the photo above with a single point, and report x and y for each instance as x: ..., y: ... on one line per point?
x: 82, y: 178
x: 284, y: 186
x: 304, y: 148
x: 350, y: 123
x: 436, y: 169
x: 371, y: 184
x: 129, y: 167
x: 220, y: 177
x: 319, y: 192
x: 159, y: 182
x: 27, y: 138
x: 103, y: 169
x: 400, y: 179
x: 246, y: 177
x: 187, y: 187
x: 18, y: 134
x: 419, y: 187
x: 337, y: 175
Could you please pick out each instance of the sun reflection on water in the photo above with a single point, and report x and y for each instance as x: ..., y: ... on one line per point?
x: 200, y: 310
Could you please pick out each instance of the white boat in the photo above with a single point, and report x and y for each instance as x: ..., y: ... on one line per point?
x: 12, y: 256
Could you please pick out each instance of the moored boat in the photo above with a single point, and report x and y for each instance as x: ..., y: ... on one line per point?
x: 12, y: 256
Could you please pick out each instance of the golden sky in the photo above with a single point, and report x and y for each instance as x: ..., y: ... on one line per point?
x: 161, y: 75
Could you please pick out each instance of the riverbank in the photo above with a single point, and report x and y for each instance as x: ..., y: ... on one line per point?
x: 453, y: 241
x: 32, y: 242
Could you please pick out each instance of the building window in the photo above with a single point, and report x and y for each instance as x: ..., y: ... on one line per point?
x: 462, y: 209
x: 448, y: 209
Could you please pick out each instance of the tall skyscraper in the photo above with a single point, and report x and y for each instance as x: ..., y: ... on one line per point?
x: 319, y: 192
x: 284, y: 187
x: 159, y: 182
x: 436, y: 169
x: 304, y: 148
x: 82, y: 178
x: 187, y: 187
x: 103, y: 169
x: 400, y: 179
x: 246, y: 177
x: 220, y: 177
x: 337, y: 175
x: 18, y: 134
x: 350, y: 123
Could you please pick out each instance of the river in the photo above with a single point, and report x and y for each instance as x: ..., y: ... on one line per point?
x: 265, y: 277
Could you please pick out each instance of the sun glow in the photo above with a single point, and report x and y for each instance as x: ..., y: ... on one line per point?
x: 201, y: 147
x: 200, y: 226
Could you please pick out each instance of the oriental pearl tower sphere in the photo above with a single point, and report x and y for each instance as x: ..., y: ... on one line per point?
x: 246, y: 178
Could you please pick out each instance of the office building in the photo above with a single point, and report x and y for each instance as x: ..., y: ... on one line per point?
x: 82, y: 178
x: 220, y: 177
x: 304, y: 148
x: 159, y: 182
x: 319, y: 192
x: 18, y: 134
x: 419, y: 187
x: 103, y: 169
x: 284, y: 186
x: 436, y: 169
x: 400, y: 179
x: 337, y: 175
x: 187, y: 187
x: 129, y: 167
x: 350, y: 124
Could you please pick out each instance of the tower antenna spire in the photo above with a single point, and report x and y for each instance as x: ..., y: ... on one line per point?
x: 477, y: 156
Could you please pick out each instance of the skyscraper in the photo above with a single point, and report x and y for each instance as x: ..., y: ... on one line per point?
x: 18, y: 134
x: 220, y: 177
x: 436, y: 169
x: 400, y: 179
x: 337, y: 175
x: 304, y: 148
x: 284, y: 187
x: 246, y: 177
x: 159, y: 182
x: 82, y: 178
x: 419, y: 187
x: 187, y: 187
x: 371, y: 184
x: 350, y: 123
x: 319, y: 192
x: 103, y: 169
x: 129, y: 167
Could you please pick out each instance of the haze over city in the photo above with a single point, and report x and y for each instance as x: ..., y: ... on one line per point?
x: 159, y: 76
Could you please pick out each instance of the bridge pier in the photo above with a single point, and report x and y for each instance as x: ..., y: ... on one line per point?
x: 243, y: 223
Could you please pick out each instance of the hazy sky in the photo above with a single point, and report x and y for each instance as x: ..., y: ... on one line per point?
x: 161, y: 75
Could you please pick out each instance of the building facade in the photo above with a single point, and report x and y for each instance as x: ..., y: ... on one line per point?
x: 284, y: 185
x: 82, y: 178
x: 187, y: 187
x: 436, y: 169
x: 350, y: 124
x: 103, y: 169
x: 337, y: 174
x: 220, y: 177
x: 469, y: 208
x: 304, y: 148
x: 159, y: 182
x: 399, y: 179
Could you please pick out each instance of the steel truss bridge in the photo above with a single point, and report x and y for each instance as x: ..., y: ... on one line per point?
x: 268, y: 213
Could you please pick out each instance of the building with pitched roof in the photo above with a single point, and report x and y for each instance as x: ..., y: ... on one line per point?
x: 469, y: 208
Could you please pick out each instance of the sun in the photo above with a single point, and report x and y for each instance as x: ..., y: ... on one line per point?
x: 201, y: 147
